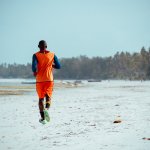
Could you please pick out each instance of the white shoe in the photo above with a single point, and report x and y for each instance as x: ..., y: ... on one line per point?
x: 43, y: 121
x: 46, y: 115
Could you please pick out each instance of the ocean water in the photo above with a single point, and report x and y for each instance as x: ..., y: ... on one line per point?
x: 13, y: 82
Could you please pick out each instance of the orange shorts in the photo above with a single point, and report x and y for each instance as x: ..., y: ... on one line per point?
x: 44, y: 88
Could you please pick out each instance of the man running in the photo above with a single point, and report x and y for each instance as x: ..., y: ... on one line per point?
x: 43, y: 63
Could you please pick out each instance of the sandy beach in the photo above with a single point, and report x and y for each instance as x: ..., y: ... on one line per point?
x: 82, y: 117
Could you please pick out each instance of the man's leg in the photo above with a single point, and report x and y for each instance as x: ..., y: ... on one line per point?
x: 41, y: 107
x: 49, y: 89
x: 48, y: 102
x: 47, y: 106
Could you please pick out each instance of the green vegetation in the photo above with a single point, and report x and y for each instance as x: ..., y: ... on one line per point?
x: 122, y: 65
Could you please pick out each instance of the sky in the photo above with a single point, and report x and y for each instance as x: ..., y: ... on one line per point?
x: 72, y: 27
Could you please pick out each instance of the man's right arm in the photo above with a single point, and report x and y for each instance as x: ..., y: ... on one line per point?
x: 56, y: 63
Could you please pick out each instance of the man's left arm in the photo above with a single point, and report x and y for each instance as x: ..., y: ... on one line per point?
x: 34, y: 65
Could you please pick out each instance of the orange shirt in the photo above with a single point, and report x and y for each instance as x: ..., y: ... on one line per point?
x: 44, y: 66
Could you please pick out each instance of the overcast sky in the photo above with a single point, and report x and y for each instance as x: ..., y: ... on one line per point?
x: 72, y: 27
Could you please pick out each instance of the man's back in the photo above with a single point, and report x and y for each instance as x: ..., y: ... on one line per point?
x: 44, y: 66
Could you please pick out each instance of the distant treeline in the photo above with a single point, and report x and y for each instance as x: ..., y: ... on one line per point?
x: 122, y: 65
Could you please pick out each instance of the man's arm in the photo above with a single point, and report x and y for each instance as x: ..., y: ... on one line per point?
x: 34, y: 65
x: 56, y: 64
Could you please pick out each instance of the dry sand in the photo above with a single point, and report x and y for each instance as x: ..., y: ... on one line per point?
x: 82, y: 118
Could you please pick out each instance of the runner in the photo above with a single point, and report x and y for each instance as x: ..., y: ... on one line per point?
x: 43, y: 63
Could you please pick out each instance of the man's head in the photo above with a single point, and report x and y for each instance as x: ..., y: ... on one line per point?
x: 42, y: 45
